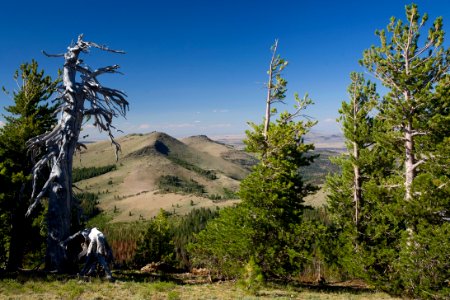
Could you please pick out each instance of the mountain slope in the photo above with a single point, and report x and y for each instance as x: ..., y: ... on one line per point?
x: 227, y: 152
x: 133, y: 189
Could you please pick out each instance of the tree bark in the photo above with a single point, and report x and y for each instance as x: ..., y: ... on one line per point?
x: 61, y: 144
x: 356, y: 183
x: 410, y: 168
x: 269, y: 91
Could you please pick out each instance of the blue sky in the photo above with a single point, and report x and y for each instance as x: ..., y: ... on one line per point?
x: 199, y: 67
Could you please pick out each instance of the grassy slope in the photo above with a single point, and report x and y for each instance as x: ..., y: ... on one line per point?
x: 132, y: 188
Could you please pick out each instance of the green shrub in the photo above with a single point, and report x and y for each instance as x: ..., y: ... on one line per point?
x: 209, y: 174
x: 79, y: 174
x: 154, y: 244
x: 252, y: 277
x: 88, y: 203
x: 224, y: 246
x: 174, y: 184
x: 184, y: 230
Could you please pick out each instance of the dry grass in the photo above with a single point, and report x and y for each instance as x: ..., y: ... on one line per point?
x: 132, y: 189
x: 318, y: 199
x: 155, y: 289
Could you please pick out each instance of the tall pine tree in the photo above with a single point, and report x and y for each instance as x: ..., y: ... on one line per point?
x: 402, y: 239
x: 357, y: 126
x: 30, y: 115
x: 274, y: 191
x: 410, y: 71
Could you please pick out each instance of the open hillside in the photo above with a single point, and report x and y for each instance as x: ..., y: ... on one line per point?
x: 157, y: 171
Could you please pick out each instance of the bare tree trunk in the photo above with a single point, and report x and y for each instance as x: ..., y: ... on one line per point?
x: 60, y: 196
x: 356, y: 183
x: 356, y: 169
x: 410, y: 161
x: 269, y: 91
x: 61, y: 143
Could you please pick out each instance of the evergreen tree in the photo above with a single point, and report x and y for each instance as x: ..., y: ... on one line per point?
x: 155, y: 243
x: 365, y: 214
x: 404, y: 199
x: 357, y: 126
x: 415, y: 113
x: 266, y: 227
x: 224, y: 245
x: 273, y: 192
x: 183, y: 233
x: 410, y: 72
x: 30, y: 115
x: 346, y: 197
x: 424, y: 258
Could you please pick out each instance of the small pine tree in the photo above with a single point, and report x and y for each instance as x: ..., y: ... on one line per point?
x: 224, y: 245
x: 155, y: 243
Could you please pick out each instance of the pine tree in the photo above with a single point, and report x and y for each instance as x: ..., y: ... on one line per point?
x: 404, y: 198
x: 224, y: 246
x: 30, y: 115
x: 355, y: 197
x: 357, y: 126
x: 183, y: 232
x: 155, y: 244
x: 266, y: 227
x: 274, y: 191
x: 410, y: 72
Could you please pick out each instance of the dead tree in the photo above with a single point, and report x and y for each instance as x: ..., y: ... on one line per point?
x: 276, y: 86
x: 80, y: 100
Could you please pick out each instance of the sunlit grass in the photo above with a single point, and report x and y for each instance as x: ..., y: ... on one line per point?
x: 99, y: 289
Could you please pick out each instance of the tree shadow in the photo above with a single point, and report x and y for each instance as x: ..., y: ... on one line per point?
x: 23, y: 276
x: 338, y: 287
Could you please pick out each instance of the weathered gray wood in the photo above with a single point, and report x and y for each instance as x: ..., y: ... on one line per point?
x: 87, y: 98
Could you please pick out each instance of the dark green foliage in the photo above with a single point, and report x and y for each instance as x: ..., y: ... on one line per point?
x: 399, y: 240
x: 184, y: 231
x: 30, y: 115
x: 209, y: 174
x: 424, y: 265
x: 318, y: 238
x: 224, y: 246
x: 166, y: 237
x: 274, y: 191
x: 265, y: 226
x: 174, y: 184
x: 227, y: 194
x: 79, y: 174
x: 88, y: 204
x: 154, y: 245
